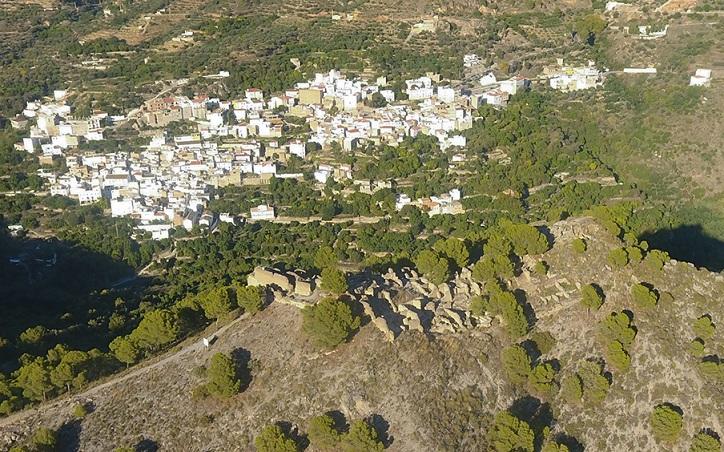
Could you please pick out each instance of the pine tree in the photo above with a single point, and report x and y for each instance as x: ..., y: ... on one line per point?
x: 666, y: 423
x: 361, y: 437
x: 508, y: 433
x: 516, y: 364
x: 330, y: 322
x: 322, y: 433
x: 222, y: 375
x: 124, y: 350
x: 273, y: 439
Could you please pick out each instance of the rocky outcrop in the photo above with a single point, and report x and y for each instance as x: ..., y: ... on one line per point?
x: 399, y: 301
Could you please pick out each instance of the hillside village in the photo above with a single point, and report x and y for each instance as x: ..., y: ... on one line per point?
x: 168, y: 182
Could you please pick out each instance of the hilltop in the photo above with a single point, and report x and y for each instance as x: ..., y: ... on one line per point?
x: 431, y: 391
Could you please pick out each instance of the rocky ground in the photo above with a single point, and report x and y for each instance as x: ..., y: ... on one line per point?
x: 431, y: 379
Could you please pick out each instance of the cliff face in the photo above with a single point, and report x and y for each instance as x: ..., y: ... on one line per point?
x: 428, y: 391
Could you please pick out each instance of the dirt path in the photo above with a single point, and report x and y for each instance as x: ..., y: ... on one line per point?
x: 195, y: 346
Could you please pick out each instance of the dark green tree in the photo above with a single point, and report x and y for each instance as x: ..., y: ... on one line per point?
x: 322, y: 433
x: 644, y: 297
x: 273, y: 439
x: 703, y: 327
x: 223, y: 380
x: 618, y: 327
x: 591, y: 297
x: 124, y: 350
x: 361, y: 437
x: 508, y: 433
x: 705, y: 442
x: 218, y: 302
x: 330, y: 322
x: 435, y: 267
x: 157, y: 328
x: 334, y: 280
x: 250, y: 298
x: 516, y: 364
x: 454, y: 249
x: 666, y: 423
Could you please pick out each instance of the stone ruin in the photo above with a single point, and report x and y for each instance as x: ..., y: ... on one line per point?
x: 405, y: 301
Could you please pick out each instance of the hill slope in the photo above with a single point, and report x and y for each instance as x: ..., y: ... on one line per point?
x: 428, y: 392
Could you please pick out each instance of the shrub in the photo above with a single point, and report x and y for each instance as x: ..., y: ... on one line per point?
x: 703, y: 327
x: 618, y: 258
x: 644, y: 297
x: 666, y: 423
x: 330, y: 322
x: 579, y: 245
x: 591, y: 296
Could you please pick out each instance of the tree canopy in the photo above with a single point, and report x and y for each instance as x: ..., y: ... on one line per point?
x: 330, y: 322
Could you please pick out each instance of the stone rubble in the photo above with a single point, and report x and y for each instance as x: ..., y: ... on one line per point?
x: 405, y: 301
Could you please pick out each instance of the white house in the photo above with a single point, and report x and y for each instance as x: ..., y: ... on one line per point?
x: 262, y: 212
x: 420, y: 88
x: 158, y: 231
x: 121, y: 207
x: 488, y: 79
x: 298, y: 148
x: 513, y: 85
x: 401, y: 201
x: 446, y: 94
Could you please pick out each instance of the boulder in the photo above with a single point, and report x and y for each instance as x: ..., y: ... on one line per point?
x: 381, y: 325
x: 466, y: 274
x: 385, y: 295
x: 455, y: 317
x: 442, y: 325
x: 367, y: 308
x: 414, y: 324
x: 416, y: 303
x: 484, y: 321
